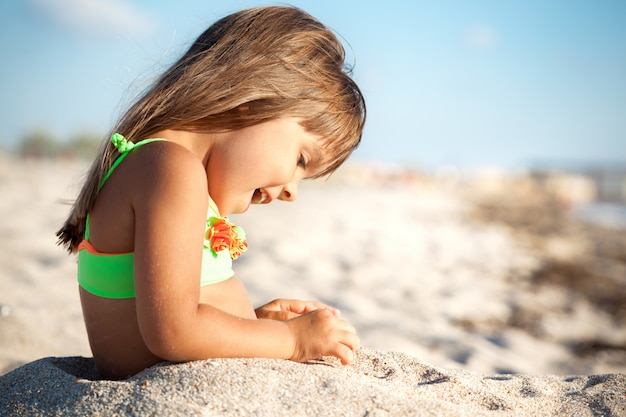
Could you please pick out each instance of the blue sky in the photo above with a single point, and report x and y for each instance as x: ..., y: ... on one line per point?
x: 465, y: 83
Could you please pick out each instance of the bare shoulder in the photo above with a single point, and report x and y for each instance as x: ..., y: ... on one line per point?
x: 165, y: 169
x: 156, y: 182
x: 169, y: 201
x: 165, y: 160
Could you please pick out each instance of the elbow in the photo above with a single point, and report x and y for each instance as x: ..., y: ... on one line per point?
x: 166, y: 351
x: 167, y: 344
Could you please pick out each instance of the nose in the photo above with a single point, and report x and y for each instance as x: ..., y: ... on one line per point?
x: 289, y: 192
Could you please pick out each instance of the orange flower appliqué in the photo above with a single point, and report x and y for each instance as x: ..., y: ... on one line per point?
x: 222, y: 234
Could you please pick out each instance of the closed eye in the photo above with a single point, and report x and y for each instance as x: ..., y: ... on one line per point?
x: 302, y: 162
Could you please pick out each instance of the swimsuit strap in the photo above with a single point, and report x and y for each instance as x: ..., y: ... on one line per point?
x: 124, y: 146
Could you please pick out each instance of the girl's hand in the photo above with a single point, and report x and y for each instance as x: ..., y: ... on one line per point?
x: 321, y: 333
x: 288, y: 309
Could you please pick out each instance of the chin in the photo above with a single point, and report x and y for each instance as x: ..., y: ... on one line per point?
x: 240, y: 210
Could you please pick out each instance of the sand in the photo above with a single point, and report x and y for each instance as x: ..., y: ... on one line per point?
x: 461, y: 307
x: 377, y: 384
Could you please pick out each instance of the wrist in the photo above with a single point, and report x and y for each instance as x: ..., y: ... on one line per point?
x: 290, y: 343
x: 283, y: 338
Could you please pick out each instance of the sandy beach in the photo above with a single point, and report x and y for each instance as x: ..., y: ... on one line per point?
x: 442, y: 282
x: 376, y: 384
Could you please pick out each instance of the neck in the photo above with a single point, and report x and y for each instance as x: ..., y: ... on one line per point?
x: 199, y: 144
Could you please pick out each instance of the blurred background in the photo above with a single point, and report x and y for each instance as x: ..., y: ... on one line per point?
x: 518, y: 107
x: 452, y: 87
x: 451, y: 83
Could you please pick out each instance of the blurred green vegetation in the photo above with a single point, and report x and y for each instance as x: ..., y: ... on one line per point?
x: 42, y: 144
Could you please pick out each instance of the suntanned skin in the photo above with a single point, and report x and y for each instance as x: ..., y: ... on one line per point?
x: 155, y: 205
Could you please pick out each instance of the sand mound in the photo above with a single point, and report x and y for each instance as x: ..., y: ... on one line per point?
x: 377, y: 384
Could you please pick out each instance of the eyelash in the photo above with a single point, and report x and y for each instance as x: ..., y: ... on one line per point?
x: 302, y: 162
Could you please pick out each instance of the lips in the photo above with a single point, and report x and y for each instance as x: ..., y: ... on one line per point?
x: 260, y: 197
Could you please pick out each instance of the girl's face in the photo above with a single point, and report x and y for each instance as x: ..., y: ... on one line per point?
x: 261, y: 163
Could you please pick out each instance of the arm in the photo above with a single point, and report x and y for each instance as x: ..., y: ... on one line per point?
x: 170, y: 207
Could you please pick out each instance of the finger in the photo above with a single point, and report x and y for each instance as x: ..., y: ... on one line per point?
x: 351, y: 340
x: 345, y: 354
x: 271, y: 306
x: 298, y: 306
x: 281, y: 305
x: 303, y: 307
x: 281, y: 315
x: 295, y: 306
x: 288, y: 315
x: 316, y: 305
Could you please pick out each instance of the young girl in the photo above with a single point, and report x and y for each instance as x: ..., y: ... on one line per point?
x: 260, y: 101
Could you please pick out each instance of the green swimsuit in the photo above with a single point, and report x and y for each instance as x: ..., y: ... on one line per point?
x: 111, y: 275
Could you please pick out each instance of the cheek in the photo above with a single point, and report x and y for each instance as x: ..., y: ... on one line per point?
x: 284, y: 166
x: 281, y: 175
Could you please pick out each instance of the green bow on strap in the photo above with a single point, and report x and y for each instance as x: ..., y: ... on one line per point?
x: 121, y: 143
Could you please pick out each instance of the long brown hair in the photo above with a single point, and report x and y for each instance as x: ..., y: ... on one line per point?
x: 252, y: 66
